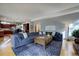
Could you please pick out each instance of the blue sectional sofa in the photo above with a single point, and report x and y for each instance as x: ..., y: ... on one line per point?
x: 18, y: 40
x: 27, y: 47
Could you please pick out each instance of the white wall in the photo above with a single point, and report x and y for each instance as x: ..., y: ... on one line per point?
x: 50, y: 28
x: 58, y: 26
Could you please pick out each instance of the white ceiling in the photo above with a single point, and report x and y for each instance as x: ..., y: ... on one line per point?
x: 22, y: 12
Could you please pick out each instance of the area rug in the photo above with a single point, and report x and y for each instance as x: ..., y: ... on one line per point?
x: 53, y: 49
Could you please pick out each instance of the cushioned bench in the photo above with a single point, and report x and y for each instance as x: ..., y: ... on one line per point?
x: 76, y: 48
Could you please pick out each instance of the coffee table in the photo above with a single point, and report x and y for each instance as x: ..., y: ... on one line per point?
x: 43, y: 40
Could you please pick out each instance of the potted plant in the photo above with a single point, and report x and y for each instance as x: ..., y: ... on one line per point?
x: 75, y: 33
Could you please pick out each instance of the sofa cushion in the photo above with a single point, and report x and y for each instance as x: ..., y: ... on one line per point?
x: 33, y: 34
x: 20, y: 36
x: 58, y: 36
x: 48, y: 33
x: 17, y: 31
x: 40, y: 33
x: 24, y: 35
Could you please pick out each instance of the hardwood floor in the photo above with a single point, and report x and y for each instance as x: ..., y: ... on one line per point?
x: 6, y: 51
x: 67, y: 49
x: 5, y: 48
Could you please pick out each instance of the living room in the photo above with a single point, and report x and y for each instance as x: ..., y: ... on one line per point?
x: 38, y: 29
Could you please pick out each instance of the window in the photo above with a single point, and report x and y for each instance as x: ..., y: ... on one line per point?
x: 73, y: 27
